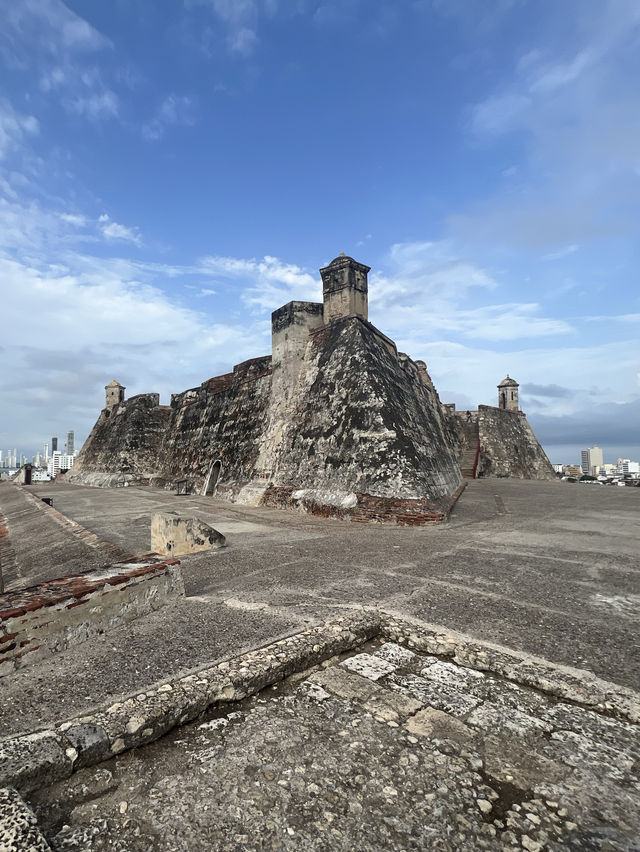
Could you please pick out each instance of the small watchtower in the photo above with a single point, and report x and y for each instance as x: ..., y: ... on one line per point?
x: 114, y: 392
x: 508, y: 394
x: 345, y: 289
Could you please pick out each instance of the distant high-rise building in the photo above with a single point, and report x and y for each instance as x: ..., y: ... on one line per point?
x: 70, y: 443
x: 59, y: 462
x: 46, y: 452
x: 591, y: 460
x: 54, y: 445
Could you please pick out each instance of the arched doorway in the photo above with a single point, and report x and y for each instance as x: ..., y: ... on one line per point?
x: 212, y: 478
x: 503, y: 400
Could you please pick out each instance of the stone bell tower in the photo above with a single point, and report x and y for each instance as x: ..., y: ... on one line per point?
x: 345, y: 289
x: 508, y: 394
x: 114, y: 394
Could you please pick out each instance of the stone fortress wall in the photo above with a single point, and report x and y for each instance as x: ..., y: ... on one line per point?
x: 336, y: 421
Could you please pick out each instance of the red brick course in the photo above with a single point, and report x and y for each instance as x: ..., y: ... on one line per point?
x: 55, y: 592
x: 39, y: 609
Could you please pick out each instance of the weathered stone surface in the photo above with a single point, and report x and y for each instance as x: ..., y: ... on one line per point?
x: 373, y: 668
x: 44, y: 620
x: 172, y: 535
x: 19, y: 830
x: 358, y: 765
x: 336, y: 422
x: 123, y: 444
x: 34, y: 760
x: 509, y: 447
x: 366, y: 425
x: 438, y: 725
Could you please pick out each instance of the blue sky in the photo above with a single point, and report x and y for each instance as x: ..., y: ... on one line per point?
x: 170, y: 173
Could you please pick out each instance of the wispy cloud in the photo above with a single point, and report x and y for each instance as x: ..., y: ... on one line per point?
x: 174, y: 110
x: 563, y: 252
x: 14, y: 127
x: 266, y: 283
x: 575, y: 108
x: 48, y: 39
x: 102, y: 104
x: 32, y: 28
x: 240, y: 20
x: 115, y: 231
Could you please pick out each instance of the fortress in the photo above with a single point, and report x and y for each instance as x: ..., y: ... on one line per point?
x: 335, y: 421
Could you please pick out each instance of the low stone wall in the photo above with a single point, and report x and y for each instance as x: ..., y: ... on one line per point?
x: 33, y: 760
x: 38, y: 622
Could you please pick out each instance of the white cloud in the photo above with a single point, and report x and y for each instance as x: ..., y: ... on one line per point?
x: 574, y: 103
x: 240, y: 19
x: 93, y: 319
x: 267, y: 283
x: 14, y: 126
x: 499, y: 113
x: 33, y: 27
x: 563, y: 252
x: 174, y: 110
x: 74, y: 219
x: 115, y: 231
x: 102, y: 104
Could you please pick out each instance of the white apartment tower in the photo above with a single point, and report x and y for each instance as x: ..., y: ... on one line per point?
x: 591, y: 461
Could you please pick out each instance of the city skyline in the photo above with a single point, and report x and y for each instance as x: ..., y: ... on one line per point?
x: 172, y: 173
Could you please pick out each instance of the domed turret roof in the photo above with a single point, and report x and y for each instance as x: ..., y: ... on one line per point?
x: 509, y: 381
x: 114, y: 384
x: 341, y: 258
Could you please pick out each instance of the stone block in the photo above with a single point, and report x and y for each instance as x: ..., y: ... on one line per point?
x: 172, y: 535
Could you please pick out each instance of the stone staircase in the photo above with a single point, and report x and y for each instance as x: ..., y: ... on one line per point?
x: 470, y: 452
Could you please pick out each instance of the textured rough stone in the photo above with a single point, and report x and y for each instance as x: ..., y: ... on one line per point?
x: 123, y: 444
x: 336, y: 422
x: 33, y: 760
x: 357, y: 765
x: 18, y: 825
x: 373, y: 668
x: 175, y: 536
x: 509, y: 447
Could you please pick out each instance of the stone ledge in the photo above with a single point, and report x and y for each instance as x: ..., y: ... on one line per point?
x: 42, y: 620
x: 34, y: 760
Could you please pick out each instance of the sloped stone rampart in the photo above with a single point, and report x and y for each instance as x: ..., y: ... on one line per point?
x: 123, y: 444
x: 43, y: 620
x: 217, y: 422
x: 509, y: 447
x: 364, y: 422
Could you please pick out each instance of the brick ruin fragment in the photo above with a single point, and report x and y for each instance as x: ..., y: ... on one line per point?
x: 335, y: 422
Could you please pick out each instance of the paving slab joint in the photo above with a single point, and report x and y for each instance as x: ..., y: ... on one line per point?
x: 572, y: 685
